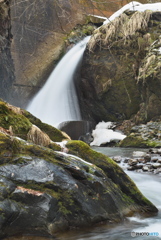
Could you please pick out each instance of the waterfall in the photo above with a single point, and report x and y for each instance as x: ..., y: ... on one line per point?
x: 57, y: 101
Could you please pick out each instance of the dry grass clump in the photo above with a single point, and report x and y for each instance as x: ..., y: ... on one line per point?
x: 7, y: 131
x: 35, y: 135
x: 14, y: 109
x: 29, y: 191
x: 66, y: 136
x: 151, y: 64
x: 121, y: 27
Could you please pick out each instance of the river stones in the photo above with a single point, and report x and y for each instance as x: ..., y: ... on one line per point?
x: 149, y: 161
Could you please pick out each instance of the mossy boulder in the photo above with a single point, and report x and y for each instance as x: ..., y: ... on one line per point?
x: 143, y: 135
x: 20, y: 123
x: 55, y: 134
x: 45, y: 191
x: 133, y: 141
x: 110, y: 168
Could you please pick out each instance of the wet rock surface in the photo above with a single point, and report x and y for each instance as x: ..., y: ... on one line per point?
x: 45, y: 191
x: 149, y: 161
x: 7, y: 76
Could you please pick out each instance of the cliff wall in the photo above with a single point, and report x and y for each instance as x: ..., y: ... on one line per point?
x: 6, y: 63
x: 120, y: 76
x: 40, y: 29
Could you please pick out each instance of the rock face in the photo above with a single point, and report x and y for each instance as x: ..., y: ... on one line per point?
x: 6, y: 63
x: 40, y: 30
x: 120, y: 76
x: 44, y: 192
x: 78, y: 130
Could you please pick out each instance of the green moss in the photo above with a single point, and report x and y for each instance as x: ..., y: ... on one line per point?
x: 133, y: 141
x: 63, y: 209
x: 6, y: 151
x: 54, y: 134
x: 82, y: 150
x: 153, y: 144
x: 138, y: 142
x: 3, y: 108
x: 128, y: 199
x: 54, y: 146
x: 20, y: 124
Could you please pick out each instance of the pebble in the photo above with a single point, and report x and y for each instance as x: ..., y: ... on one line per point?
x: 142, y: 162
x: 132, y: 162
x: 117, y: 159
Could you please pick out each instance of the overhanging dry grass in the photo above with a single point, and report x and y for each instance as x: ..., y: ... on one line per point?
x: 35, y: 135
x: 122, y: 27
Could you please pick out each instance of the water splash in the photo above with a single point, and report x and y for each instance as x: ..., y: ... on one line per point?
x: 57, y: 100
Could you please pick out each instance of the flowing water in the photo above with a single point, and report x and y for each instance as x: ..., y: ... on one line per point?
x: 133, y: 227
x: 57, y: 101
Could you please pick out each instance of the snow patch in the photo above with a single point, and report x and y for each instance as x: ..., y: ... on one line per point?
x: 134, y: 6
x: 104, y: 134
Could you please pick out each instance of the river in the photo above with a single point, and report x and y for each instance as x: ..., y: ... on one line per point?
x: 133, y: 227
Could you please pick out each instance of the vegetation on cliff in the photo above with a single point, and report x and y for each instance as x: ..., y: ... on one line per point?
x: 120, y: 72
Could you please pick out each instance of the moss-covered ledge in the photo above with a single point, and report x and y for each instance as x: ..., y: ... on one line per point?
x: 20, y: 121
x: 111, y: 169
x: 55, y: 134
x: 138, y: 142
x: 8, y: 118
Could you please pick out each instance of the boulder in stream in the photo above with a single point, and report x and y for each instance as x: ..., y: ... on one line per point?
x: 44, y: 191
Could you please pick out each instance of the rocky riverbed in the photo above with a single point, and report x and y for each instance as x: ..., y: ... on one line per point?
x: 140, y: 161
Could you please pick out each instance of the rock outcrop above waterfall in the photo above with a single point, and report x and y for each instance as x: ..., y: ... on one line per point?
x: 45, y: 191
x: 120, y: 75
x: 40, y: 32
x: 6, y: 64
x: 39, y: 38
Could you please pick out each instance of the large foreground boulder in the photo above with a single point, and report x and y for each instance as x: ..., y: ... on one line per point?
x: 44, y: 191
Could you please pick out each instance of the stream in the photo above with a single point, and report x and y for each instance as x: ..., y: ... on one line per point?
x: 133, y: 227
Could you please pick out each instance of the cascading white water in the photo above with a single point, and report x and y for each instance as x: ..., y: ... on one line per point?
x: 57, y: 101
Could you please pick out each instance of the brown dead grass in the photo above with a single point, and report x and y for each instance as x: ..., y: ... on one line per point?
x: 29, y: 191
x: 35, y: 135
x: 14, y: 109
x: 121, y: 27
